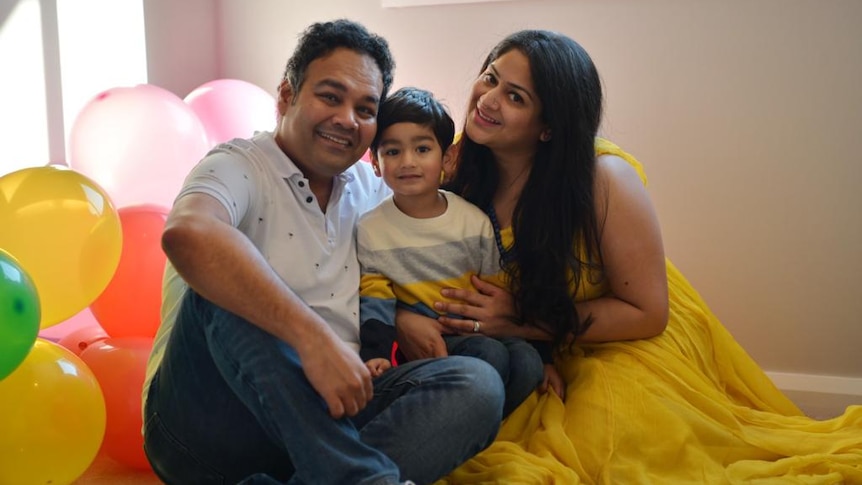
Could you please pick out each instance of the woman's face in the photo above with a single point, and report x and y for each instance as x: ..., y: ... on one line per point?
x: 504, y: 113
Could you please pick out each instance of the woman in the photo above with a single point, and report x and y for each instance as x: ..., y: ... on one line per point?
x: 585, y: 256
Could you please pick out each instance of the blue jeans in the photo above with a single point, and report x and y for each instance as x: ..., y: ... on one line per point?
x: 516, y: 360
x: 230, y: 403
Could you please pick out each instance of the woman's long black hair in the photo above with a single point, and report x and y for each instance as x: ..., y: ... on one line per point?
x: 555, y: 225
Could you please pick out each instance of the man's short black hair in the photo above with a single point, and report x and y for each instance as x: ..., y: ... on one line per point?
x: 321, y: 38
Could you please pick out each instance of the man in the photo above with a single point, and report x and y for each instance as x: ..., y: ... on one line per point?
x: 255, y: 374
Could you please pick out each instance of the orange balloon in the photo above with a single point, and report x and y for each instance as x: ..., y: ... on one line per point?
x: 119, y: 365
x: 129, y: 306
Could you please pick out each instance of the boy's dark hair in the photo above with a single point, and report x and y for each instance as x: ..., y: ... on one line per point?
x: 414, y: 105
x: 321, y: 38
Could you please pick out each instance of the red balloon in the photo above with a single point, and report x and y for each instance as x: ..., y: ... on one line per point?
x: 119, y: 365
x: 130, y: 305
x: 79, y: 340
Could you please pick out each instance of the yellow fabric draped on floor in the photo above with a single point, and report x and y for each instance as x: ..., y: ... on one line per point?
x: 687, y: 406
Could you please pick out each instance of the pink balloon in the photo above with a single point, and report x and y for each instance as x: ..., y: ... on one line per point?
x: 138, y: 143
x: 82, y: 319
x: 231, y: 108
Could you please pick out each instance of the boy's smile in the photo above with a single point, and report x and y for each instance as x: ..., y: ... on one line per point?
x: 410, y: 160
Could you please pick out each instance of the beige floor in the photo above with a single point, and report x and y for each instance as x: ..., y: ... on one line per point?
x: 823, y: 406
x: 105, y: 471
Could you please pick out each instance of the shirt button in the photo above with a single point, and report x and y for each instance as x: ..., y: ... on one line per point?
x: 309, y: 199
x: 301, y: 183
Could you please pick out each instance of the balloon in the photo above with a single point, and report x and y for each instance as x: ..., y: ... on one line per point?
x: 19, y: 314
x: 53, y: 418
x: 64, y: 230
x: 130, y: 305
x: 83, y: 318
x: 231, y: 108
x: 138, y: 142
x: 119, y: 364
x: 83, y: 338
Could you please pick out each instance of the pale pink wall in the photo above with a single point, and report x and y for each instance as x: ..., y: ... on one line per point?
x: 183, y: 48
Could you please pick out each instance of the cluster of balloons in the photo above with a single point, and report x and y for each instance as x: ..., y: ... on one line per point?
x: 81, y: 267
x: 140, y: 142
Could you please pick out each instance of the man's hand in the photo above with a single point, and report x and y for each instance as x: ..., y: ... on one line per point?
x: 338, y: 374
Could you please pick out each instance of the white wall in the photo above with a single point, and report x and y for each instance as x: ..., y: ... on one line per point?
x: 746, y: 114
x: 183, y: 49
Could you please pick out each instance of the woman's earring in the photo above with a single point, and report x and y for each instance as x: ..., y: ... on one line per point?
x: 442, y: 176
x: 545, y: 135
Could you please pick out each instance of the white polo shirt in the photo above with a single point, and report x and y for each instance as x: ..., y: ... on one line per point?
x: 269, y: 200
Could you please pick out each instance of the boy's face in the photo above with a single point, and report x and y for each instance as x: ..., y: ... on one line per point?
x: 410, y: 159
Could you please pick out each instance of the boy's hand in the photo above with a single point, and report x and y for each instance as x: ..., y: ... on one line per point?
x: 554, y: 381
x: 419, y: 337
x: 377, y: 366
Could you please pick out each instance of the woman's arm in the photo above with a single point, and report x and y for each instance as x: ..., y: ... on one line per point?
x: 633, y: 258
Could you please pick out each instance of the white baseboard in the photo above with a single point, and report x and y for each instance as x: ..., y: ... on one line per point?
x: 851, y: 386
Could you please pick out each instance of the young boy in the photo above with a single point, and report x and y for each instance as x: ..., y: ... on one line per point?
x: 423, y: 239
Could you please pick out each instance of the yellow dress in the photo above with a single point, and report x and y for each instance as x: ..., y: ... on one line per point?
x: 687, y: 406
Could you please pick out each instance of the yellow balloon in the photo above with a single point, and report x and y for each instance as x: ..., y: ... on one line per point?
x: 65, y: 231
x: 52, y: 417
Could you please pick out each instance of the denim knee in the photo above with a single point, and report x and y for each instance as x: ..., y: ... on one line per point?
x: 525, y: 360
x: 526, y: 371
x: 488, y: 349
x: 486, y: 394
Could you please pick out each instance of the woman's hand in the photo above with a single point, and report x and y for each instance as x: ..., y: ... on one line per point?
x: 489, y: 311
x: 419, y: 337
x: 554, y: 381
x: 493, y: 307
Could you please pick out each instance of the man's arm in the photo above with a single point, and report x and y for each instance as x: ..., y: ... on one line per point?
x: 223, y: 266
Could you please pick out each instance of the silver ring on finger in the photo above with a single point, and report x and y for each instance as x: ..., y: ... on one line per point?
x: 476, y: 326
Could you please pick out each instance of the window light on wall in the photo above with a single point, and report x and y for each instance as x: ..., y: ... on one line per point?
x: 61, y: 53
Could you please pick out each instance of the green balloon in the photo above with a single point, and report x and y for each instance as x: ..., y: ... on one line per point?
x: 19, y: 314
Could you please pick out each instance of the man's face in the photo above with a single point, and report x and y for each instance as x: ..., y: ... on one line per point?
x: 328, y: 125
